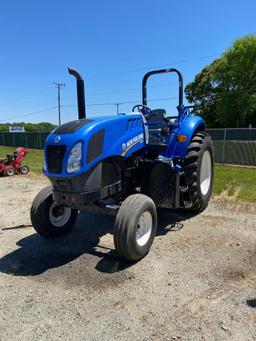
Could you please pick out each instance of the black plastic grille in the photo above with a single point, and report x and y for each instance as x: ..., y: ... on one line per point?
x: 55, y: 155
x: 95, y: 146
x: 71, y: 127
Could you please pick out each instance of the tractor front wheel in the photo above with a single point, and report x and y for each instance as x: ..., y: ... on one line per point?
x: 49, y: 219
x: 199, y: 170
x: 135, y: 227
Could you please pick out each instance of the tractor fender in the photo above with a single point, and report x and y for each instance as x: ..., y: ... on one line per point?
x: 187, y: 127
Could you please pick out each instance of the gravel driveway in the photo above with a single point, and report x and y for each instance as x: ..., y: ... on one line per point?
x: 197, y: 283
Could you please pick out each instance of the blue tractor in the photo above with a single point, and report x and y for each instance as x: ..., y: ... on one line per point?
x: 127, y: 164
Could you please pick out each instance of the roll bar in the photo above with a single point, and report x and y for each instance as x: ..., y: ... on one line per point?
x: 155, y: 72
x: 80, y: 93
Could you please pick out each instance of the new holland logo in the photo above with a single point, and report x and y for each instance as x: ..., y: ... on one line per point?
x: 129, y: 144
x: 56, y: 139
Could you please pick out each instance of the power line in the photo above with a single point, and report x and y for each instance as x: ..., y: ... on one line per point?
x: 131, y: 89
x: 154, y: 66
x: 127, y: 102
x: 121, y: 103
x: 156, y: 99
x: 152, y: 100
x: 59, y: 86
x: 147, y: 68
x: 30, y: 114
x: 219, y: 93
x: 142, y: 69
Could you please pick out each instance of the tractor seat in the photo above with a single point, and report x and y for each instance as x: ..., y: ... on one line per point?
x: 156, y: 116
x: 158, y: 129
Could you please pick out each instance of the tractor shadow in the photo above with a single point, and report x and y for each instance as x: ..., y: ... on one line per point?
x: 36, y: 255
x: 251, y: 303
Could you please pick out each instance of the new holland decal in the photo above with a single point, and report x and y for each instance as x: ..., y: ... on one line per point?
x: 129, y: 144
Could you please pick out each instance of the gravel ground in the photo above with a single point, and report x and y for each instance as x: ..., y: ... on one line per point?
x: 197, y: 283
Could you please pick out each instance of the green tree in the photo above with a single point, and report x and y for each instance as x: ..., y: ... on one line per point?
x: 32, y: 127
x: 225, y: 91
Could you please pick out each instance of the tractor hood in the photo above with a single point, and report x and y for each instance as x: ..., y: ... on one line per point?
x: 100, y: 138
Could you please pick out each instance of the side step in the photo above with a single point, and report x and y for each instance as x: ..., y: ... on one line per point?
x: 187, y: 204
x: 185, y: 198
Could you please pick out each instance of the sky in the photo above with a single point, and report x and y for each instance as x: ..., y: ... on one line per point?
x: 112, y: 43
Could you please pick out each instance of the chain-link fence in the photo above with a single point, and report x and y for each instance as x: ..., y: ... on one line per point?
x: 234, y: 146
x: 29, y: 140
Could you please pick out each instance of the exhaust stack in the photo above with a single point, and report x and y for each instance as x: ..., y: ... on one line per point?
x: 80, y: 93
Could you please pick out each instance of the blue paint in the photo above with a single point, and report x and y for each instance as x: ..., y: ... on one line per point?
x: 125, y: 135
x: 119, y: 130
x: 187, y: 126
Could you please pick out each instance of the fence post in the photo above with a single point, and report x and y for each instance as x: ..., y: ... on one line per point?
x: 3, y: 139
x: 40, y: 142
x: 26, y: 139
x: 224, y: 146
x: 13, y: 139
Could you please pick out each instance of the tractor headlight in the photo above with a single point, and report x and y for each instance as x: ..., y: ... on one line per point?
x: 74, y: 159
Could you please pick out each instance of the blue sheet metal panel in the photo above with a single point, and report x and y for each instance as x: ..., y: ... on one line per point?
x: 187, y: 127
x: 124, y: 134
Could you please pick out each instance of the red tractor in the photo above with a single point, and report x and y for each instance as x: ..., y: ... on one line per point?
x: 13, y: 163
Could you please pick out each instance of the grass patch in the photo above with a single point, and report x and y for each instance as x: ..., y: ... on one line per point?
x: 34, y: 159
x: 238, y: 181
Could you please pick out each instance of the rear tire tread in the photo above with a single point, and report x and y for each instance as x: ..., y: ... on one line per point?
x: 199, y: 143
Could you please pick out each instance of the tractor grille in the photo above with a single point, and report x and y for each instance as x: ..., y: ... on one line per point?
x: 55, y: 156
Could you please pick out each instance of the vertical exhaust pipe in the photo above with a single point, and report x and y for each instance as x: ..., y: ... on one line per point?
x: 80, y: 93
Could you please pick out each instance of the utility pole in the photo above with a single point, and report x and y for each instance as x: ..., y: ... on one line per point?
x: 117, y: 107
x: 59, y: 86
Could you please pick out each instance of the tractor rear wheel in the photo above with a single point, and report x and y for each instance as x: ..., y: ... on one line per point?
x: 10, y: 171
x: 23, y: 169
x: 199, y: 170
x: 49, y: 219
x: 135, y: 227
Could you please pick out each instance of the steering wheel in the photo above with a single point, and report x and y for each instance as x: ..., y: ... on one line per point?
x: 142, y: 109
